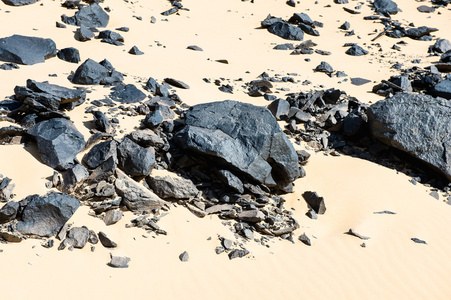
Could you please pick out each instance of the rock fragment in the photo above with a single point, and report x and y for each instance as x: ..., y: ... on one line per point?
x: 119, y: 261
x: 315, y: 202
x: 26, y: 50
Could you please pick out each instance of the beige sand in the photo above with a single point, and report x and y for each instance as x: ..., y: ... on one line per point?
x: 391, y: 266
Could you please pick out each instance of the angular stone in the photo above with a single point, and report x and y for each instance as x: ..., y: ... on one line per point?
x: 19, y: 2
x: 108, y: 34
x: 135, y: 196
x: 73, y: 178
x: 231, y: 180
x: 305, y: 239
x: 106, y: 241
x: 119, y: 261
x: 91, y: 72
x: 77, y: 237
x: 172, y: 186
x: 46, y: 215
x: 324, y: 67
x: 416, y: 124
x: 385, y: 7
x: 238, y: 253
x: 112, y: 217
x: 184, y: 256
x: 102, y: 123
x: 301, y: 18
x: 286, y: 31
x: 135, y: 51
x: 356, y: 50
x: 176, y: 83
x: 84, y: 34
x: 100, y: 153
x: 69, y: 54
x: 127, y: 94
x: 315, y: 202
x: 252, y: 216
x: 9, y: 212
x: 58, y: 142
x: 442, y: 89
x: 416, y: 33
x: 243, y: 137
x: 279, y: 108
x: 134, y: 159
x: 89, y: 16
x: 26, y: 50
x: 440, y: 46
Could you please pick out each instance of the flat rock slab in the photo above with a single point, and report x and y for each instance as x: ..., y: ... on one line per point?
x: 127, y: 94
x: 45, y: 216
x: 172, y: 186
x: 89, y: 16
x: 19, y: 2
x: 26, y: 50
x: 58, y: 142
x: 242, y: 137
x: 119, y: 261
x: 419, y: 125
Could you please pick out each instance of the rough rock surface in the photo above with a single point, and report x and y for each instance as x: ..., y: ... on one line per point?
x: 286, y: 31
x: 417, y: 124
x: 241, y: 137
x: 385, y: 7
x: 44, y: 216
x: 172, y: 186
x: 19, y: 2
x: 89, y: 16
x: 91, y: 72
x: 134, y: 159
x: 58, y: 142
x: 26, y: 50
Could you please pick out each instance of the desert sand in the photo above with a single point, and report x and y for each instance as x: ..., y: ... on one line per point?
x: 391, y: 266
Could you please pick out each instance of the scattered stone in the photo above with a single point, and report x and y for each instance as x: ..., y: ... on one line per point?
x: 393, y: 120
x: 84, y: 34
x: 353, y: 233
x: 77, y: 237
x: 134, y: 159
x: 91, y: 72
x: 324, y: 67
x: 440, y: 46
x: 184, y: 256
x: 112, y: 217
x: 417, y: 33
x: 384, y: 212
x: 385, y: 7
x: 26, y: 50
x: 358, y: 81
x: 418, y: 241
x: 106, y: 241
x: 312, y: 214
x: 305, y: 239
x: 231, y: 180
x: 434, y: 195
x: 176, y: 83
x: 69, y: 54
x: 425, y: 9
x: 195, y: 48
x: 9, y: 66
x: 19, y: 2
x: 286, y: 31
x: 238, y: 253
x: 46, y: 215
x: 90, y: 16
x: 442, y: 89
x: 100, y: 153
x: 119, y: 261
x: 345, y: 26
x: 315, y: 202
x: 102, y: 123
x: 58, y: 142
x: 128, y: 93
x: 73, y: 178
x: 111, y: 35
x: 172, y: 186
x: 356, y: 50
x: 135, y: 51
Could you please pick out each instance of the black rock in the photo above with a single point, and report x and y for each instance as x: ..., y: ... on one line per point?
x: 91, y: 72
x: 345, y: 26
x: 9, y: 212
x: 69, y: 54
x: 418, y: 241
x: 356, y: 50
x: 134, y: 159
x: 416, y: 124
x: 172, y: 186
x: 135, y: 51
x: 58, y: 142
x: 308, y: 29
x: 351, y: 11
x: 184, y: 256
x: 112, y: 217
x: 102, y: 123
x: 106, y: 241
x: 242, y: 137
x: 385, y: 7
x: 127, y: 94
x: 238, y: 253
x: 286, y: 46
x: 108, y: 34
x: 195, y: 48
x: 84, y: 34
x: 301, y: 18
x: 270, y: 20
x: 9, y: 66
x: 19, y: 2
x: 352, y: 124
x: 291, y: 3
x: 416, y: 33
x: 286, y: 31
x: 104, y: 170
x: 170, y: 11
x: 446, y: 57
x: 26, y: 50
x: 176, y: 83
x: 324, y: 67
x: 357, y: 235
x: 442, y: 89
x: 100, y: 153
x: 77, y: 237
x: 315, y: 202
x: 112, y: 42
x: 124, y: 29
x: 60, y: 25
x: 44, y: 216
x: 305, y: 239
x: 425, y: 9
x: 153, y: 119
x: 73, y: 178
x: 279, y: 108
x: 119, y: 261
x: 341, y: 1
x: 358, y: 81
x: 89, y: 16
x: 441, y: 46
x: 231, y: 180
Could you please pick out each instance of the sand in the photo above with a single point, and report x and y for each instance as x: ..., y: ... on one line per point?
x: 391, y: 266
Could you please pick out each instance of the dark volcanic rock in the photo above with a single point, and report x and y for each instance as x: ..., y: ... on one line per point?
x: 356, y: 50
x: 127, y: 94
x: 108, y: 34
x: 77, y: 237
x: 102, y: 123
x: 176, y: 83
x: 19, y: 2
x: 446, y: 57
x: 231, y: 180
x: 44, y: 216
x: 416, y: 124
x: 440, y: 46
x: 416, y: 33
x: 308, y: 29
x: 9, y: 212
x: 301, y: 18
x: 91, y: 72
x: 26, y: 50
x: 286, y: 31
x: 238, y: 253
x: 69, y: 54
x: 58, y: 142
x: 442, y: 89
x: 134, y: 159
x: 135, y: 51
x: 324, y: 67
x: 89, y: 16
x: 316, y: 202
x: 106, y: 241
x: 73, y: 178
x: 100, y: 153
x: 279, y: 108
x: 83, y: 34
x: 385, y: 7
x: 241, y: 137
x: 172, y: 186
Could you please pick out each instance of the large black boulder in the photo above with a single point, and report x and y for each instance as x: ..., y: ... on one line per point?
x: 134, y: 159
x: 417, y: 124
x: 128, y: 93
x: 19, y: 2
x: 243, y: 138
x: 286, y: 31
x: 91, y: 72
x: 44, y: 216
x: 69, y: 54
x: 26, y: 50
x: 100, y: 153
x: 385, y: 7
x: 58, y: 142
x: 442, y: 89
x: 89, y: 16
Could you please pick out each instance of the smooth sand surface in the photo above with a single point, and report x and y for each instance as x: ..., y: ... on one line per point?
x: 391, y: 266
